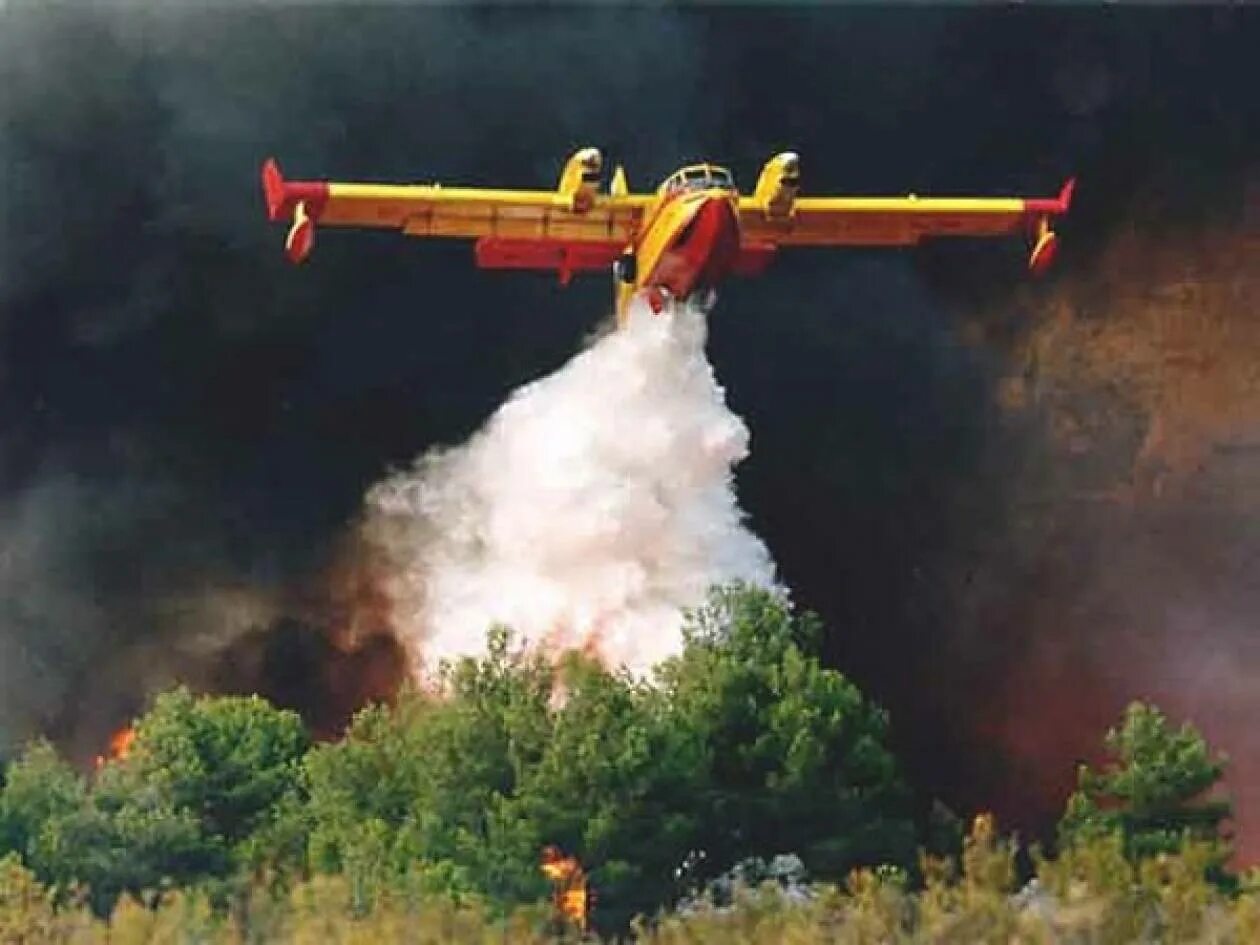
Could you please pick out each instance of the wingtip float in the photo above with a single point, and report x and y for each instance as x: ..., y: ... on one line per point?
x: 678, y: 242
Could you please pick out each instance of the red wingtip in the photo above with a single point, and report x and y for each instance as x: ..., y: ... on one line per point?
x: 273, y: 188
x: 1065, y: 195
x: 1054, y: 206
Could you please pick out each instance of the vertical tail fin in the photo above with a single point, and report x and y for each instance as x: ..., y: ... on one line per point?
x: 619, y: 186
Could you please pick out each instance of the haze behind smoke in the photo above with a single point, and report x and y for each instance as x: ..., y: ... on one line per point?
x: 594, y: 507
x: 1125, y: 565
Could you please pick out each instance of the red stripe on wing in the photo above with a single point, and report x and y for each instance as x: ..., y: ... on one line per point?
x: 753, y: 258
x: 495, y: 252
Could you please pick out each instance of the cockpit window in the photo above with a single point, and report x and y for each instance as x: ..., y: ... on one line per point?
x: 699, y: 178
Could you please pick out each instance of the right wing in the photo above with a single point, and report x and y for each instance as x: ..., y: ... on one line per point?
x: 774, y: 216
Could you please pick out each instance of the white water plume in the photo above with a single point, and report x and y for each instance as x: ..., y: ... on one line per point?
x: 595, y: 505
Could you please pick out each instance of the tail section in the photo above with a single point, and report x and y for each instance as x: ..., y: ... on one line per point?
x: 619, y: 186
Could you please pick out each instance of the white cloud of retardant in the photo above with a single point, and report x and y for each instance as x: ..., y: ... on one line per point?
x: 595, y: 505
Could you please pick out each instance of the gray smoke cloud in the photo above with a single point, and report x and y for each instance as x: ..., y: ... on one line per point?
x: 91, y: 621
x: 150, y: 328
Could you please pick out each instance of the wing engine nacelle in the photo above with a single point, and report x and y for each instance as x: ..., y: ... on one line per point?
x: 778, y: 185
x: 580, y: 180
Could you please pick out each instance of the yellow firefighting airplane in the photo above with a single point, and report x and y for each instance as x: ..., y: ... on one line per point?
x: 677, y: 243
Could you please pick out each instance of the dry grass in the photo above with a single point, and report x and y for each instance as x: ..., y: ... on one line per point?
x: 1088, y: 896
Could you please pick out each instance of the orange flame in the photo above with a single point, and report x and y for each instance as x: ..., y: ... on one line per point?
x: 571, y: 898
x: 119, y: 746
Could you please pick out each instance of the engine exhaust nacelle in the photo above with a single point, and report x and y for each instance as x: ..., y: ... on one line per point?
x: 580, y: 180
x: 778, y: 185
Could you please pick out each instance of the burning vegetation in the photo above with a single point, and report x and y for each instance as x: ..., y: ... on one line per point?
x: 453, y: 792
x: 119, y: 746
x: 571, y: 898
x: 348, y: 835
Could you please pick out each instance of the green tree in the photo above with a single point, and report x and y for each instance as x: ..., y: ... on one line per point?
x: 196, y: 798
x: 110, y: 845
x: 70, y: 835
x: 228, y: 761
x: 8, y: 838
x: 517, y: 754
x: 427, y: 780
x: 744, y: 747
x: 797, y: 758
x: 1153, y: 791
x: 39, y: 788
x: 614, y: 786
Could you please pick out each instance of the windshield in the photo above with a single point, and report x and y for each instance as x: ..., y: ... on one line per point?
x: 699, y: 178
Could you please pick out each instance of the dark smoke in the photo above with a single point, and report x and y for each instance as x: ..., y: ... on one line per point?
x: 188, y: 426
x: 185, y: 419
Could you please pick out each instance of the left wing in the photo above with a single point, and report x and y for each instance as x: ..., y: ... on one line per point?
x: 567, y: 229
x: 774, y: 216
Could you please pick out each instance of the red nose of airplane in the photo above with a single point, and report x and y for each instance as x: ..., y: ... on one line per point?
x: 723, y: 225
x: 707, y: 248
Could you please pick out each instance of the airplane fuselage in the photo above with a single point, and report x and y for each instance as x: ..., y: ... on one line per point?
x: 689, y: 243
